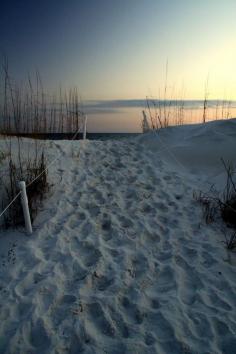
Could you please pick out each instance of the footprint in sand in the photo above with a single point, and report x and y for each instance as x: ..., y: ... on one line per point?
x: 119, y: 322
x: 165, y: 281
x: 134, y: 314
x: 78, y: 271
x: 125, y: 222
x: 147, y: 209
x: 97, y: 320
x: 88, y: 254
x: 39, y: 338
x: 102, y: 282
x: 149, y: 339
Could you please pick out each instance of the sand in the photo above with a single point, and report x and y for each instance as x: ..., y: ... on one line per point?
x: 121, y: 260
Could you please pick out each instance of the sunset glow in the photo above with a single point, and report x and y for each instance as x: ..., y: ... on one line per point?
x: 119, y: 49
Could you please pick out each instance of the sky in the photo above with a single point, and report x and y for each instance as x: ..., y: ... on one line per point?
x: 119, y: 49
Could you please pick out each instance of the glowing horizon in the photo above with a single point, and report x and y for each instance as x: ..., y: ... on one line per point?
x: 119, y: 50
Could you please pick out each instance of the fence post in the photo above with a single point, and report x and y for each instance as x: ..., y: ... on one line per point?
x: 145, y: 124
x: 85, y: 127
x: 25, y: 206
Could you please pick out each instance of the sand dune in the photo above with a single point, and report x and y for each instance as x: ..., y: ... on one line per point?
x: 121, y: 260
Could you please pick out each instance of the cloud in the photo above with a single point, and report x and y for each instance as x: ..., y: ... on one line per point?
x: 115, y: 106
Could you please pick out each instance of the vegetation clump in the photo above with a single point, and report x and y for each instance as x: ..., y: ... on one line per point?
x: 32, y: 170
x: 26, y: 110
x: 224, y: 205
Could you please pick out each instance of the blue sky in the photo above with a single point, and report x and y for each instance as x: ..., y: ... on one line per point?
x: 118, y: 49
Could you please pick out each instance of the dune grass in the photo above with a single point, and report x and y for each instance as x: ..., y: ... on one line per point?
x: 222, y: 204
x: 27, y: 109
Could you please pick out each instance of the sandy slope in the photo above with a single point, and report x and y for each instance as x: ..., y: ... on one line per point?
x: 120, y: 261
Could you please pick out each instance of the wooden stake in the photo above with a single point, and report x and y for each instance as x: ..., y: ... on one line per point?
x: 25, y: 206
x: 85, y: 127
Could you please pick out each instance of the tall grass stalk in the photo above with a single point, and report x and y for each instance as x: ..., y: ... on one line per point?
x: 205, y: 103
x: 29, y: 110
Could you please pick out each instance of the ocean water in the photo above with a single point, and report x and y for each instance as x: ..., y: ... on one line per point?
x: 123, y: 118
x: 126, y: 116
x: 79, y: 136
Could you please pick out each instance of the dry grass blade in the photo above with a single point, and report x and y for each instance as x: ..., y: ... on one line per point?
x: 224, y: 205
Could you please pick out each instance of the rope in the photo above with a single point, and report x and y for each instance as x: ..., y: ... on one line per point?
x: 8, y: 206
x: 35, y: 179
x: 51, y: 163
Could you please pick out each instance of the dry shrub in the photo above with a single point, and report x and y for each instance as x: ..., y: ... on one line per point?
x: 224, y: 205
x: 33, y: 172
x: 209, y: 204
x: 228, y: 202
x: 26, y: 109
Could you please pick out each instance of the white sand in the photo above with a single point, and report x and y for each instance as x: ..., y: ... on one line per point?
x: 121, y: 260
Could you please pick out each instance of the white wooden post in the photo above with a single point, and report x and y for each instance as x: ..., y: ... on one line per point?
x: 85, y: 127
x: 25, y: 206
x: 145, y: 124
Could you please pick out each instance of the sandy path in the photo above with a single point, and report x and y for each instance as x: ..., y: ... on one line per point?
x: 119, y: 264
